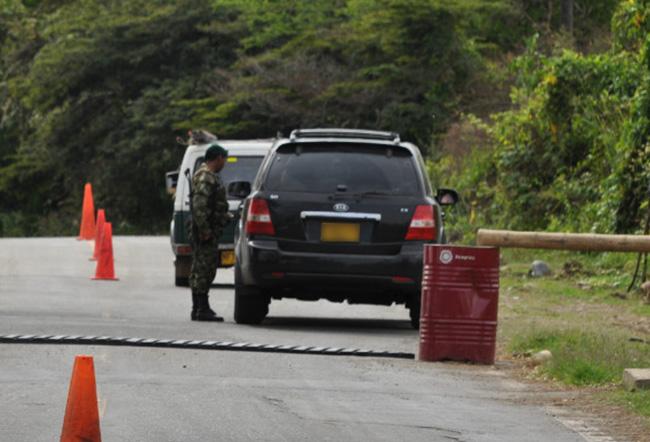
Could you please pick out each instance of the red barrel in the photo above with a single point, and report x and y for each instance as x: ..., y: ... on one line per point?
x: 460, y: 296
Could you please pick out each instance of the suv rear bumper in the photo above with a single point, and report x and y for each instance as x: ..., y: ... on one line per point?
x: 380, y: 279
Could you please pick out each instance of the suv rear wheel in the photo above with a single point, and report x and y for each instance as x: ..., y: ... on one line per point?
x: 414, y: 312
x: 251, y: 305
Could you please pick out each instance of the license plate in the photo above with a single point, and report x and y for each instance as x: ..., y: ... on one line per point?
x: 339, y: 232
x: 228, y: 258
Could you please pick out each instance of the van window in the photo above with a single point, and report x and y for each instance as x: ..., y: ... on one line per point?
x: 236, y: 168
x: 353, y: 168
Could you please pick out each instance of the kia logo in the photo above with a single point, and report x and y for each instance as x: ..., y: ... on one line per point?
x: 341, y: 207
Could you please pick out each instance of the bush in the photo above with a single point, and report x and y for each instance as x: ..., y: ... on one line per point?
x: 572, y: 153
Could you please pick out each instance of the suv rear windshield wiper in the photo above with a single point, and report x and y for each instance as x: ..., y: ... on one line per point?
x: 370, y: 193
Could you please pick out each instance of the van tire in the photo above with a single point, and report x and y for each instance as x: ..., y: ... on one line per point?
x: 182, y: 266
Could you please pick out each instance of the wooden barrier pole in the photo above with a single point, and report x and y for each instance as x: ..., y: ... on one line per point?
x: 564, y: 241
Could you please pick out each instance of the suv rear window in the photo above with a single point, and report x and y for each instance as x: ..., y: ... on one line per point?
x: 353, y: 168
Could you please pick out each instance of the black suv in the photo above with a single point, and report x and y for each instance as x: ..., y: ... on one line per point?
x: 336, y: 214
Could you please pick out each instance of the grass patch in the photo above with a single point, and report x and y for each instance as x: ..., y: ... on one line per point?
x: 537, y: 340
x: 639, y: 401
x: 584, y: 357
x: 581, y: 372
x: 591, y: 277
x: 642, y: 310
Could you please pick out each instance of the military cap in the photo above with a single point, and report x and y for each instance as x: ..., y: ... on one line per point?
x: 214, y: 151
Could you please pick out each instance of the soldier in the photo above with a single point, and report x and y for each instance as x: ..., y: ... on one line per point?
x: 209, y: 216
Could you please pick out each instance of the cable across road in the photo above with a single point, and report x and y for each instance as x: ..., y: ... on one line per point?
x: 199, y: 345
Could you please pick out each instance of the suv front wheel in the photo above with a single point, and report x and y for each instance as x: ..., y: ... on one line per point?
x: 251, y: 305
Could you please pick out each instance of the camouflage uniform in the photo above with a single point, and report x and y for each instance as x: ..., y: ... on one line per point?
x: 209, y: 217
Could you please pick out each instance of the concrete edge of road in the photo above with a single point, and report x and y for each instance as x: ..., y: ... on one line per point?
x: 199, y: 345
x: 585, y: 426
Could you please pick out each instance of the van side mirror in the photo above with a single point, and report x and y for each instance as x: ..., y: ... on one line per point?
x: 239, y: 189
x: 171, y: 180
x: 447, y: 197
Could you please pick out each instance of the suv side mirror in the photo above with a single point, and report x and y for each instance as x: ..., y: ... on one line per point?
x: 171, y: 180
x: 239, y: 189
x: 447, y: 197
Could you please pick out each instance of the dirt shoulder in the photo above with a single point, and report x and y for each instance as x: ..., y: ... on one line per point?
x: 594, y: 329
x: 589, y: 410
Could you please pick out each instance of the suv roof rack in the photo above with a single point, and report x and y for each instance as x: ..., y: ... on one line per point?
x: 345, y: 133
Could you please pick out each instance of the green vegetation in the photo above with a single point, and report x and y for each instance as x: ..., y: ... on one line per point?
x: 88, y: 94
x: 584, y: 356
x: 582, y: 315
x: 572, y: 152
x: 638, y: 401
x: 98, y: 91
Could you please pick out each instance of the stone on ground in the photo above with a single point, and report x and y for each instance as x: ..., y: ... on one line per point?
x: 636, y: 378
x: 539, y: 268
x: 541, y: 357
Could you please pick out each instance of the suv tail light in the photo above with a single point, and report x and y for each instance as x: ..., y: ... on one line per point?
x: 258, y: 219
x: 423, y: 224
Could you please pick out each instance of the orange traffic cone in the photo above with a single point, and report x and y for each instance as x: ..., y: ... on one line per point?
x: 99, y: 233
x: 87, y: 229
x: 81, y: 420
x: 105, y: 268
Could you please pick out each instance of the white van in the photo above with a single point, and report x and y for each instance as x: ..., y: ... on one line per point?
x: 244, y: 160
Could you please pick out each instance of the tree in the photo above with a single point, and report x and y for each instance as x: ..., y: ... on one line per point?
x: 99, y: 100
x: 398, y: 65
x: 567, y: 16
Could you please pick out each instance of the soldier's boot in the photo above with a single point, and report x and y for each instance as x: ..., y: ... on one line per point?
x: 195, y: 305
x: 207, y: 306
x: 204, y: 312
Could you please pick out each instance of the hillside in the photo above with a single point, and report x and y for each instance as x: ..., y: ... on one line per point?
x: 537, y: 123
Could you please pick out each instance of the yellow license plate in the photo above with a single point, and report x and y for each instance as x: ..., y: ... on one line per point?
x: 228, y: 258
x: 339, y: 232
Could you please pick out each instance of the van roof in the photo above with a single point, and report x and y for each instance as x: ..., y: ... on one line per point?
x: 238, y: 147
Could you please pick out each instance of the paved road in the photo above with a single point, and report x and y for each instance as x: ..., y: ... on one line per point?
x: 194, y: 395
